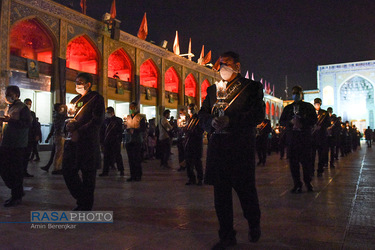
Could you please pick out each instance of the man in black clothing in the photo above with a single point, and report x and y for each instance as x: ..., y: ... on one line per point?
x: 263, y: 131
x: 110, y: 138
x: 135, y: 127
x: 82, y: 151
x: 193, y: 147
x: 299, y: 118
x: 231, y: 148
x: 16, y: 124
x: 31, y: 139
x: 320, y: 138
x: 368, y: 136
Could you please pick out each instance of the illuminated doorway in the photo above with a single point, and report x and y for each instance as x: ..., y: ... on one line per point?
x: 205, y: 85
x: 357, y: 101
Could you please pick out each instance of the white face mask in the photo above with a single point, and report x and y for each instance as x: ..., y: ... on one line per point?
x: 226, y: 72
x: 9, y: 99
x: 80, y: 89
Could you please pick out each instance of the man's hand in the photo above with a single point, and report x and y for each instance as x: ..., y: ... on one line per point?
x: 220, y: 123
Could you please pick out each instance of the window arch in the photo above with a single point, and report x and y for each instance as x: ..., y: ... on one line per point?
x: 120, y: 64
x: 172, y: 81
x: 205, y: 85
x: 29, y: 39
x: 190, y: 85
x: 267, y: 108
x: 82, y: 56
x: 148, y: 74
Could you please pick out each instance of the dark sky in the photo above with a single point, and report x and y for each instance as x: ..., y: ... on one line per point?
x: 274, y: 38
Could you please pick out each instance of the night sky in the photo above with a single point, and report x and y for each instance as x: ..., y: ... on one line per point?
x: 274, y: 38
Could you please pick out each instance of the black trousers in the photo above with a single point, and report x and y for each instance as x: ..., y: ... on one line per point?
x: 247, y: 194
x: 50, y: 161
x: 81, y: 188
x: 11, y: 169
x: 165, y: 148
x: 300, y: 154
x: 112, y: 155
x: 26, y: 156
x: 322, y: 156
x: 191, y: 163
x: 135, y: 159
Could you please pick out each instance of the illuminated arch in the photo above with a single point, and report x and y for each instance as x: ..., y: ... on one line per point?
x: 190, y: 86
x: 120, y: 63
x: 273, y: 109
x: 172, y: 81
x: 267, y: 108
x: 148, y: 74
x: 30, y: 39
x: 205, y: 85
x: 81, y: 55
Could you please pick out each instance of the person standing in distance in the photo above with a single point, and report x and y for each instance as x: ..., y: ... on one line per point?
x: 82, y: 151
x: 231, y: 149
x: 16, y: 125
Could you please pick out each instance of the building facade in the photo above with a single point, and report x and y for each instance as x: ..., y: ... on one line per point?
x: 45, y: 45
x: 349, y: 89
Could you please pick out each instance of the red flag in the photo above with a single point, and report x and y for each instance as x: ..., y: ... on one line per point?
x: 113, y: 9
x: 83, y: 6
x: 207, y: 58
x: 247, y: 75
x: 143, y: 29
x: 216, y: 65
x: 176, y: 45
x: 252, y: 76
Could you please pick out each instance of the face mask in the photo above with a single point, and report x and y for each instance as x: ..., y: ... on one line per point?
x: 29, y: 106
x: 107, y: 115
x: 80, y: 89
x: 9, y: 99
x: 296, y: 97
x: 226, y: 72
x: 132, y: 111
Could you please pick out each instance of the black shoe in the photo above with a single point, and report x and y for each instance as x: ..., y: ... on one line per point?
x: 122, y: 173
x: 223, y: 244
x: 12, y: 202
x: 130, y: 179
x: 103, y: 174
x: 254, y: 233
x: 296, y: 189
x: 309, y: 187
x: 28, y: 175
x: 57, y: 172
x: 45, y: 168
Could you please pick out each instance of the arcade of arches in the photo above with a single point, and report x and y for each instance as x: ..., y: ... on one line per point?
x: 31, y: 39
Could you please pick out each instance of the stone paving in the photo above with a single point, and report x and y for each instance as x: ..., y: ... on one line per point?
x: 160, y: 212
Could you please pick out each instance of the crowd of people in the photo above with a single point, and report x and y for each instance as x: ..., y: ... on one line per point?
x: 84, y: 132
